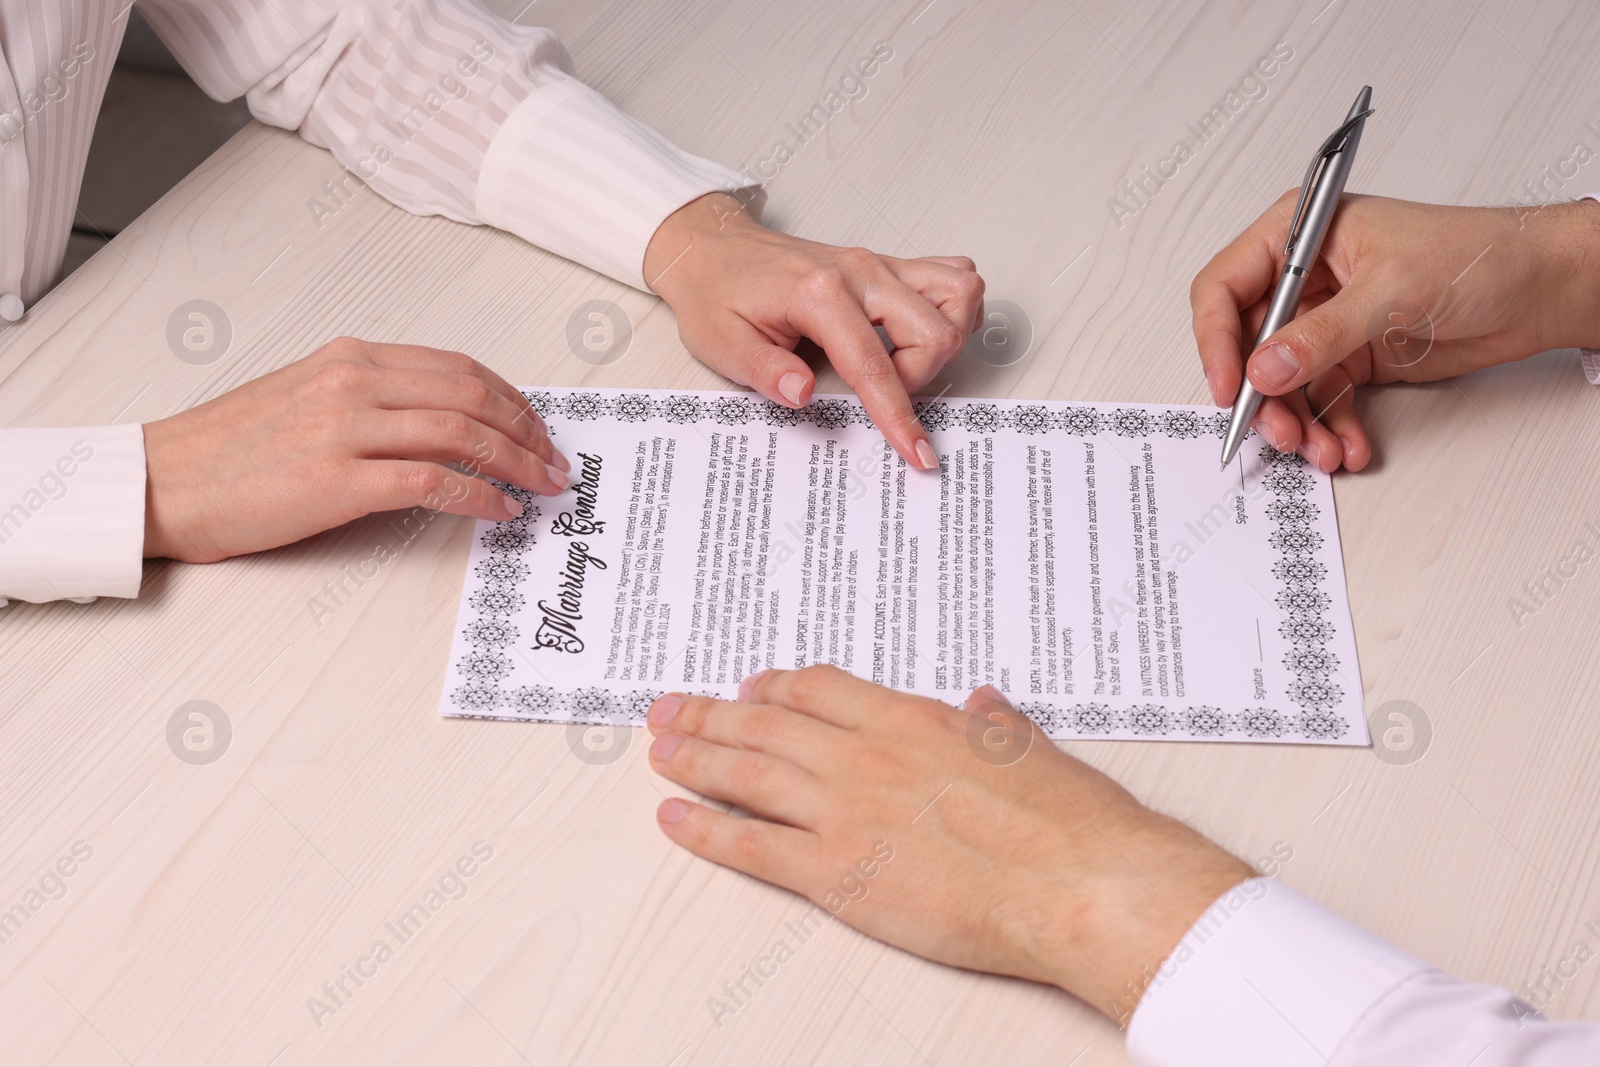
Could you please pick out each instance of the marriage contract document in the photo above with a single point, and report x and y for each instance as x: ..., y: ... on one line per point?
x: 1087, y: 559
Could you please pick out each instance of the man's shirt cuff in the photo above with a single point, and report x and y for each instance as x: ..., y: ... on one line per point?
x: 1265, y: 978
x: 71, y: 512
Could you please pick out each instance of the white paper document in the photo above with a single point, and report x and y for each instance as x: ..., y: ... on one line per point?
x: 1087, y: 559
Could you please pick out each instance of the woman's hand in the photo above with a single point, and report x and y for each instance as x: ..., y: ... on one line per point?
x: 351, y: 429
x: 745, y: 296
x: 1401, y: 292
x: 962, y: 835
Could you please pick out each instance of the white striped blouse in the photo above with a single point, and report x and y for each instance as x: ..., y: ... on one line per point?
x: 438, y: 105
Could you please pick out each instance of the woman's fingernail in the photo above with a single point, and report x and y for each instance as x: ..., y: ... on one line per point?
x: 792, y: 386
x: 557, y: 476
x: 512, y: 508
x: 1211, y: 386
x: 748, y: 687
x: 665, y: 746
x: 559, y: 460
x: 1313, y: 453
x: 1344, y: 443
x: 925, y: 456
x: 990, y: 695
x: 1274, y: 366
x: 662, y: 711
x: 673, y: 811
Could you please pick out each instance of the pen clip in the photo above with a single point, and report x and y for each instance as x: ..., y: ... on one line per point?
x: 1332, y: 146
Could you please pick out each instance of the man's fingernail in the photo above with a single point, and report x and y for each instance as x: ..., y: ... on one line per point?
x: 665, y: 746
x: 1274, y: 366
x: 747, y: 687
x: 988, y: 694
x: 792, y: 386
x: 662, y: 711
x: 557, y: 476
x: 673, y: 811
x: 512, y: 508
x: 925, y: 456
x: 559, y: 460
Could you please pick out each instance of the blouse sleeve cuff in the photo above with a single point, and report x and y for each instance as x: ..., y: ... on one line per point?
x: 71, y: 512
x: 572, y: 174
x: 1265, y: 978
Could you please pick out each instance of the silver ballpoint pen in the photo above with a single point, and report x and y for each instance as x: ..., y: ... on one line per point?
x: 1319, y: 196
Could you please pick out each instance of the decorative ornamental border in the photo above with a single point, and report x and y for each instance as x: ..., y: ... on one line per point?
x: 833, y: 413
x: 1301, y: 596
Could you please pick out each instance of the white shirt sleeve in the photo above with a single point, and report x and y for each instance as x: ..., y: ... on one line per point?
x: 71, y: 512
x: 438, y: 105
x: 447, y: 109
x: 1266, y: 978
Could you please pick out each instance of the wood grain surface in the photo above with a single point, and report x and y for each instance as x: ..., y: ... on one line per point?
x: 218, y: 899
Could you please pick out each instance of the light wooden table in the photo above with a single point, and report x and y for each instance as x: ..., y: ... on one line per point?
x: 219, y: 898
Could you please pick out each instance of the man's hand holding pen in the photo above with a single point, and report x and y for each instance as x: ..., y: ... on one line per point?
x: 1401, y: 292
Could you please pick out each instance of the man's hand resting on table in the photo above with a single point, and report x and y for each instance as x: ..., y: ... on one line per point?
x: 1402, y: 292
x: 745, y: 296
x: 351, y: 429
x: 1042, y: 868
